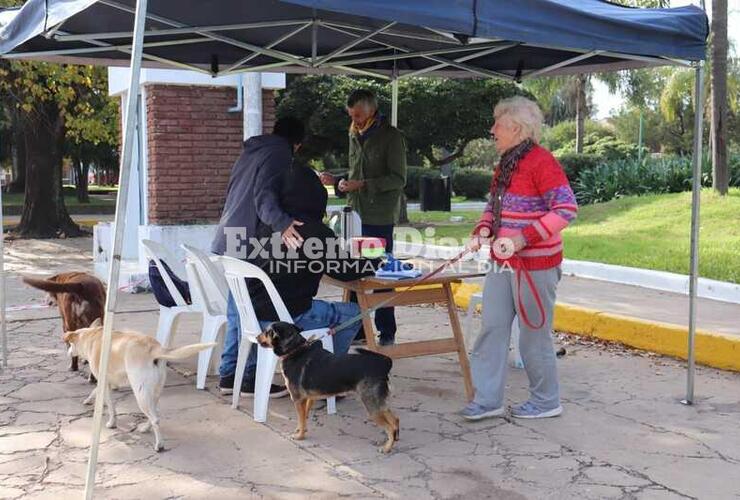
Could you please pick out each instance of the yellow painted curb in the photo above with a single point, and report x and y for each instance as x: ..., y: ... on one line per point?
x: 714, y: 349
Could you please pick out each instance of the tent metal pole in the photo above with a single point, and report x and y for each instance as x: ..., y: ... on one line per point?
x: 270, y: 45
x: 219, y: 38
x: 341, y: 50
x: 119, y: 225
x: 104, y: 48
x: 3, y: 317
x: 394, y: 102
x: 177, y: 31
x: 561, y: 64
x: 695, y: 203
x: 435, y: 52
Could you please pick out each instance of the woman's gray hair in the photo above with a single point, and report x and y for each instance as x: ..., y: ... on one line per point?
x: 525, y: 113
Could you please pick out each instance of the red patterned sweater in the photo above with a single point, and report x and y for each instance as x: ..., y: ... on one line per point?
x: 539, y: 204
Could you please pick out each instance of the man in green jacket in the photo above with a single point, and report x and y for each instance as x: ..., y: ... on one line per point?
x: 377, y: 176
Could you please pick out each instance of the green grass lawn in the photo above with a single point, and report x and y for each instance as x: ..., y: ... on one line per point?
x: 16, y: 199
x: 649, y: 232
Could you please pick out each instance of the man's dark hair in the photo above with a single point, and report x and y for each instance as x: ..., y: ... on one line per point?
x: 291, y: 129
x: 362, y: 96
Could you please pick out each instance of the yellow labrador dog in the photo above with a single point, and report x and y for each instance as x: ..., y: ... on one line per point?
x: 136, y: 360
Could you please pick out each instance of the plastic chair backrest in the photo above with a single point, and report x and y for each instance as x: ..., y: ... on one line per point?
x: 158, y: 252
x: 210, y: 279
x: 236, y: 272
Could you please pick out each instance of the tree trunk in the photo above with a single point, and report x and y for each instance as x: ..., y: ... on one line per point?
x: 44, y: 214
x: 720, y: 171
x: 580, y: 112
x: 81, y: 170
x: 18, y: 153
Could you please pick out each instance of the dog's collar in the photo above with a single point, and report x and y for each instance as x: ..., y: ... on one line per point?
x: 299, y: 349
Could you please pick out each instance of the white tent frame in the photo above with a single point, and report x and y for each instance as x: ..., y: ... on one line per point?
x: 463, y: 65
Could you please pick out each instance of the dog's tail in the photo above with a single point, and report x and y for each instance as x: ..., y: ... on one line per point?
x: 181, y: 352
x: 53, y: 286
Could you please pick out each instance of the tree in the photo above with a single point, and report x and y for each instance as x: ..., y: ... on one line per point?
x: 564, y: 98
x: 92, y: 133
x: 720, y: 170
x: 433, y: 113
x: 44, y: 96
x: 581, y: 110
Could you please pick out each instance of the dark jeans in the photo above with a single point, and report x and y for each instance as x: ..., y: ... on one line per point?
x: 385, y: 318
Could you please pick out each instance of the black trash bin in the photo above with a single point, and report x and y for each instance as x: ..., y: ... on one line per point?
x: 435, y: 193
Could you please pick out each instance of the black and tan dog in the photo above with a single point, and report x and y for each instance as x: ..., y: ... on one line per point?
x: 312, y: 373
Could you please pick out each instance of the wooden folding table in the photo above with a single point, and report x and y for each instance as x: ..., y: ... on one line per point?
x: 436, y: 290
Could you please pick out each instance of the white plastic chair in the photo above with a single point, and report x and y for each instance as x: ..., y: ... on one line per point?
x: 236, y: 272
x: 477, y: 299
x: 210, y: 293
x: 168, y: 315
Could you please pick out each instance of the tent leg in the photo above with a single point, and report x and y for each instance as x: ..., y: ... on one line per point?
x: 3, y: 317
x: 129, y: 129
x: 394, y: 102
x: 695, y: 202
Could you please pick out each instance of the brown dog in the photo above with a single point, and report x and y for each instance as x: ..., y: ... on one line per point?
x: 79, y: 296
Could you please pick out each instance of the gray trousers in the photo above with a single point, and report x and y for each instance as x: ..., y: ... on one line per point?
x: 491, y: 349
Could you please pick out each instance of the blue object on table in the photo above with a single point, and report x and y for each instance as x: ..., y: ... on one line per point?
x: 395, y: 269
x: 392, y: 264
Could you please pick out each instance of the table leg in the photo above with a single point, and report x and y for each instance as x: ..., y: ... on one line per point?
x: 460, y: 341
x: 367, y: 321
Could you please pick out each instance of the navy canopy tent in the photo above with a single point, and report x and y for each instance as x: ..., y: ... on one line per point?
x: 380, y: 37
x: 389, y: 39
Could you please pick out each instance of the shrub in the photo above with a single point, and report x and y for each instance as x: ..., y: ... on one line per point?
x: 574, y: 164
x: 631, y: 177
x: 479, y: 153
x: 473, y: 183
x: 563, y: 134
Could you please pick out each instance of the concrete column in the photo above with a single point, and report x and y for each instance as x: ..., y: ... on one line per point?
x: 252, y: 88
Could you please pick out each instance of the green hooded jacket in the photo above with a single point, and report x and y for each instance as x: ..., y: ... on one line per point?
x: 380, y: 161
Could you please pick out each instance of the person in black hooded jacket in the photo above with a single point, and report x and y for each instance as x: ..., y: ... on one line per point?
x: 252, y: 199
x: 297, y: 273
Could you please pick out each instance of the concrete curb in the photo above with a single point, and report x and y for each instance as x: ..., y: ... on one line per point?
x: 714, y: 349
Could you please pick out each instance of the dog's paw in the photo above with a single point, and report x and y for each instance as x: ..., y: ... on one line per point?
x: 386, y: 448
x: 144, y: 427
x: 111, y: 424
x: 299, y: 435
x: 88, y: 401
x: 158, y: 447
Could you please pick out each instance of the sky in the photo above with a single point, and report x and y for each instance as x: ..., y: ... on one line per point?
x: 609, y: 103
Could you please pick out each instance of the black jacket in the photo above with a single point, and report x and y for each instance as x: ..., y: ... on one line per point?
x: 297, y: 277
x: 252, y: 193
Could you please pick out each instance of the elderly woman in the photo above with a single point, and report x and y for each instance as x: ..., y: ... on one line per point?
x: 530, y: 204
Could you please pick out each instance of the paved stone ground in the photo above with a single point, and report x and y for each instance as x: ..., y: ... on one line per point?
x: 623, y: 435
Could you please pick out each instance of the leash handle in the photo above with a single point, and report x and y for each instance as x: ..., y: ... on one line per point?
x: 521, y: 270
x: 384, y: 303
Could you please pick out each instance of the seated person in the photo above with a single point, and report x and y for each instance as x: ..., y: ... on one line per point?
x: 296, y: 275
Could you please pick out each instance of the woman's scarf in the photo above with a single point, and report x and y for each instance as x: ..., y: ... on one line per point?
x: 502, y: 178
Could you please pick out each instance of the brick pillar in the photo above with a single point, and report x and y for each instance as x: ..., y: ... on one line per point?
x: 193, y: 141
